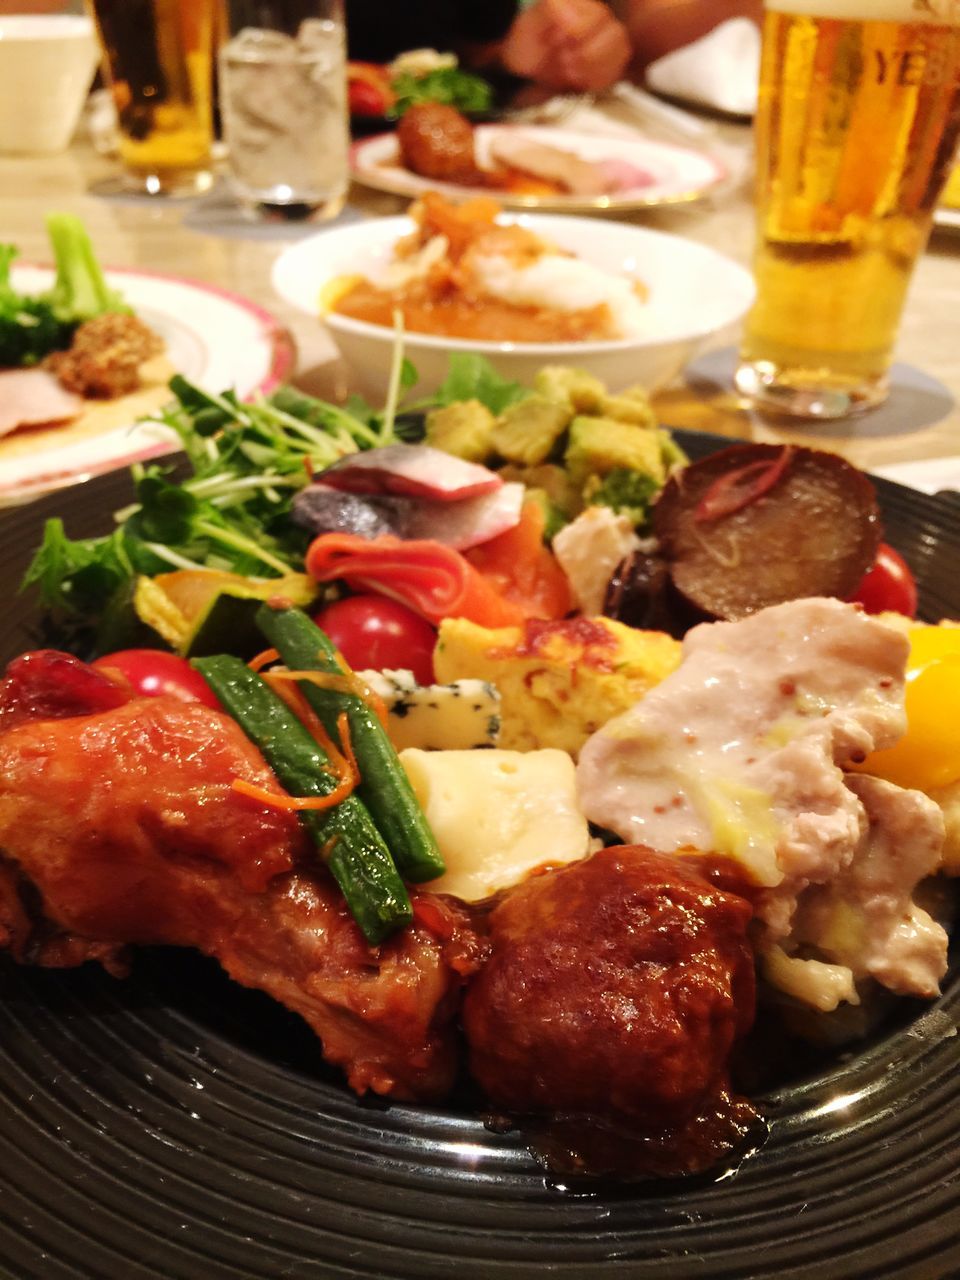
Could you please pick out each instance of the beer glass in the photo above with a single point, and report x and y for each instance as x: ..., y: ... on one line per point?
x: 857, y: 124
x: 159, y: 60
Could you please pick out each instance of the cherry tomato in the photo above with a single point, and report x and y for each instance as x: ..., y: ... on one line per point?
x: 366, y: 99
x: 889, y: 585
x: 368, y: 89
x: 379, y: 634
x: 153, y: 671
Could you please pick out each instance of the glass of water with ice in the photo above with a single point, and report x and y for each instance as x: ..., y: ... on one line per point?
x: 283, y: 105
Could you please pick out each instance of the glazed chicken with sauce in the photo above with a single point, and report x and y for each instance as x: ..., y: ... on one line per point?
x: 118, y: 819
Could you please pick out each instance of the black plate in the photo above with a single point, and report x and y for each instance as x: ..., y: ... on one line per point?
x: 173, y: 1125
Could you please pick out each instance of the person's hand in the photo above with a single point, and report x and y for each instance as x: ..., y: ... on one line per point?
x: 567, y: 44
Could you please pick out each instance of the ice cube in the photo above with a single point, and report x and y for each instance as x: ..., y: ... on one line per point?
x: 319, y: 34
x: 258, y: 43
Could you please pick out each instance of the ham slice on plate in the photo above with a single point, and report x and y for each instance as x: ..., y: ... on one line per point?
x: 573, y: 174
x: 32, y: 398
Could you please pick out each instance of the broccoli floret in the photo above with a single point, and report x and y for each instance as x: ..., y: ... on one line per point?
x: 79, y: 291
x: 33, y: 326
x: 29, y: 330
x: 629, y: 493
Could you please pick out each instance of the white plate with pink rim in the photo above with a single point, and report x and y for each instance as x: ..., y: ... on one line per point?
x: 652, y: 173
x: 217, y: 339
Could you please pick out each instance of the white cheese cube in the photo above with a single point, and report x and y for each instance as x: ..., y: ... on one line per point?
x: 498, y: 815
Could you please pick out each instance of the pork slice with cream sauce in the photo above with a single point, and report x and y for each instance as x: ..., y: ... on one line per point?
x: 742, y: 752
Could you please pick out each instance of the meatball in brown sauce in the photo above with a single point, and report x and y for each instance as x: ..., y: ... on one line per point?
x: 616, y: 989
x: 437, y: 142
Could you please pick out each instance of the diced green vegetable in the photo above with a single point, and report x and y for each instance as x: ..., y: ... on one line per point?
x: 629, y: 409
x: 345, y: 834
x: 599, y: 445
x: 582, y: 390
x: 527, y: 431
x: 384, y: 787
x: 553, y: 518
x: 464, y: 429
x: 552, y: 480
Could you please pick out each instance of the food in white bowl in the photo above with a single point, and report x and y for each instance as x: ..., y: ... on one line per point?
x: 461, y: 274
x: 691, y: 294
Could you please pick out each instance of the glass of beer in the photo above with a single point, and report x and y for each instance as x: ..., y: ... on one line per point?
x: 159, y: 59
x: 857, y: 124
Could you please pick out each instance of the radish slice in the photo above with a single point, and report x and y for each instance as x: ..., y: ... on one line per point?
x: 415, y: 470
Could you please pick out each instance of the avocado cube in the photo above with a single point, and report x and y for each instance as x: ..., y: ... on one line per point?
x: 463, y: 429
x: 598, y: 445
x: 526, y: 432
x: 629, y: 409
x: 584, y: 392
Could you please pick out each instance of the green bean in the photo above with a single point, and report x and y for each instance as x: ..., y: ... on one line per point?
x: 384, y: 786
x: 345, y: 834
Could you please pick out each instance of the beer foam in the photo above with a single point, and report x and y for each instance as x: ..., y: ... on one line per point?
x: 937, y: 12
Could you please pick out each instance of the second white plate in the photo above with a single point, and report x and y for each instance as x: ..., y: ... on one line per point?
x: 215, y: 338
x: 673, y: 175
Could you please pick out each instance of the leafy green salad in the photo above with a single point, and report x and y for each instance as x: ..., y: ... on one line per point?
x: 227, y: 503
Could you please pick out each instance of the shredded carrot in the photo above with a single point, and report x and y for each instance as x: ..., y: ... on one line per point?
x: 349, y: 682
x: 263, y: 659
x: 280, y: 800
x: 294, y: 699
x: 308, y: 466
x: 365, y: 692
x: 343, y: 728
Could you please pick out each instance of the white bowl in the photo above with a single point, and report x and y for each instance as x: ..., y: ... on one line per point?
x: 694, y: 293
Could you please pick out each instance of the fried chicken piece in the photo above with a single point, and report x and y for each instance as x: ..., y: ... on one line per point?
x: 121, y: 826
x: 104, y: 359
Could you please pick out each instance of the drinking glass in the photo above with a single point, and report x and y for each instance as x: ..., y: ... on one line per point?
x: 283, y: 106
x: 856, y: 128
x: 159, y: 60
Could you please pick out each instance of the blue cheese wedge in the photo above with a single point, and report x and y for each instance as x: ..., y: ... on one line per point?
x: 460, y: 716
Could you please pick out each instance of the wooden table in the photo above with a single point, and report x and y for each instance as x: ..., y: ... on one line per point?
x: 169, y: 236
